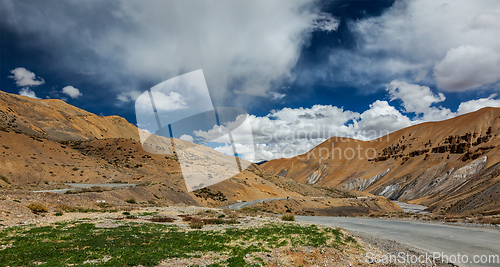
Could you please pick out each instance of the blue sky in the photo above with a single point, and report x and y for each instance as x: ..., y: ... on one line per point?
x: 295, y: 66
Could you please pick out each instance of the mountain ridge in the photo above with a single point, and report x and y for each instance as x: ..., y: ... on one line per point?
x: 407, y: 154
x: 48, y: 144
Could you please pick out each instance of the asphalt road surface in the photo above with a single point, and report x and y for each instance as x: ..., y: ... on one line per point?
x: 431, y: 237
x: 64, y: 190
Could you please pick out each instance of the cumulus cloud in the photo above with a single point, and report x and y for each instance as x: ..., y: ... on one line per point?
x: 419, y: 99
x: 416, y: 98
x: 289, y: 132
x: 467, y: 67
x: 24, y: 77
x: 186, y: 137
x: 163, y: 101
x: 242, y: 46
x: 473, y: 105
x: 71, y: 91
x: 381, y: 118
x: 128, y: 96
x: 27, y: 92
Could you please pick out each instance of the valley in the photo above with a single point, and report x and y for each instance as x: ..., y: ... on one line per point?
x: 61, y: 164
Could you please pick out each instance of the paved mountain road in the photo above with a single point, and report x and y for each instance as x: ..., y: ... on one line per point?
x: 431, y: 237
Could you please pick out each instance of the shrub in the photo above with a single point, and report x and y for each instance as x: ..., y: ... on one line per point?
x: 186, y: 218
x: 37, y: 208
x: 131, y: 201
x: 58, y: 213
x: 350, y: 239
x: 231, y: 221
x: 250, y: 209
x: 126, y: 213
x: 64, y: 207
x: 288, y: 218
x: 162, y: 219
x: 196, y: 225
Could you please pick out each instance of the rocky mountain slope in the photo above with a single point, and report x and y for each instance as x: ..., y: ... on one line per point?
x: 46, y: 144
x: 451, y: 166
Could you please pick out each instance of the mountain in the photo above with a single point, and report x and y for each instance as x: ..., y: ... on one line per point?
x: 56, y: 120
x: 452, y: 166
x: 47, y: 144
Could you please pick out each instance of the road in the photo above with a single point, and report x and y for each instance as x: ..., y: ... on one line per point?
x: 74, y: 185
x: 430, y: 237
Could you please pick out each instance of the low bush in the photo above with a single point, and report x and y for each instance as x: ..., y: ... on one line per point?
x: 288, y: 218
x: 162, y: 219
x: 196, y: 225
x: 131, y: 201
x: 37, y: 208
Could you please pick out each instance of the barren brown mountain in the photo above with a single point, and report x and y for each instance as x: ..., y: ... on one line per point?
x: 452, y: 166
x: 49, y: 144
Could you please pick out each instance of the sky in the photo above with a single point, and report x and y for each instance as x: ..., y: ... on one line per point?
x: 304, y: 71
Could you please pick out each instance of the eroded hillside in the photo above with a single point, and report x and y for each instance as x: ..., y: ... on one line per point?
x: 450, y: 166
x: 48, y: 144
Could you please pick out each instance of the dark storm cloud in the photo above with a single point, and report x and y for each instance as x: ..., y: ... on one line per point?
x: 123, y: 44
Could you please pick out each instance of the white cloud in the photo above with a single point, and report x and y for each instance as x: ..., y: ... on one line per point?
x: 289, y: 132
x: 416, y: 98
x: 487, y: 20
x: 292, y: 131
x: 187, y: 138
x: 71, y: 91
x: 326, y: 22
x: 409, y: 38
x: 381, y: 118
x: 277, y: 96
x: 163, y: 101
x: 438, y: 114
x: 467, y: 67
x: 27, y: 92
x: 473, y: 105
x: 24, y: 77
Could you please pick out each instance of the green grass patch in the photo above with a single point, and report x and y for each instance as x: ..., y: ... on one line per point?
x: 148, y: 244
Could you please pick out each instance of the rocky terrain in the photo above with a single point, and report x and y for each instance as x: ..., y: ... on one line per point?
x: 279, y: 245
x: 450, y: 166
x: 48, y: 145
x: 325, y: 206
